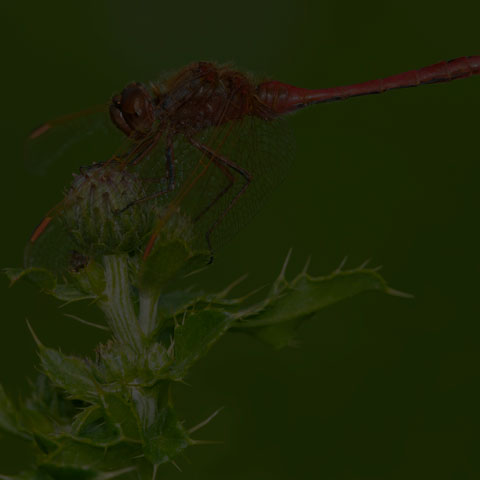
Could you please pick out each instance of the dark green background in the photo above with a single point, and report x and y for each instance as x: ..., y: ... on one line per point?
x: 380, y: 388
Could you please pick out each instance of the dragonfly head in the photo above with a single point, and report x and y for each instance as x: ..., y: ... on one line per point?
x: 133, y: 111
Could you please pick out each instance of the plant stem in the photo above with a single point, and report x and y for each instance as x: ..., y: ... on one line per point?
x: 147, y: 316
x: 117, y: 304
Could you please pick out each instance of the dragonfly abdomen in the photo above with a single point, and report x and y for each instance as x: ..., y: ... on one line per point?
x: 283, y: 98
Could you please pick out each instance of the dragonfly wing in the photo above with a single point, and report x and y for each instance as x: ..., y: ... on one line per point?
x: 212, y: 189
x: 265, y: 150
x: 52, y: 250
x: 71, y: 141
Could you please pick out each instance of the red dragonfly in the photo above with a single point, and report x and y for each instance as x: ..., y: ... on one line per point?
x: 214, y: 140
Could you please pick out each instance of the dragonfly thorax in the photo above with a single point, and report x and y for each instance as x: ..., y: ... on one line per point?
x: 205, y: 95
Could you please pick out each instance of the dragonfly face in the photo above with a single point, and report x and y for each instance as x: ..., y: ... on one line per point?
x: 133, y: 110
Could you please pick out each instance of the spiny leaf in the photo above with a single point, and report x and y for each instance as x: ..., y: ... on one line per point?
x: 45, y: 444
x: 116, y: 362
x: 69, y: 294
x: 42, y: 277
x: 47, y: 409
x: 70, y: 373
x: 276, y: 319
x: 93, y: 426
x: 120, y: 412
x: 75, y: 453
x: 69, y: 473
x: 165, y: 438
x: 86, y: 417
x: 198, y: 332
x: 81, y: 473
x: 158, y: 360
x: 171, y: 258
x: 9, y: 421
x: 28, y: 475
x: 171, y: 303
x: 280, y: 335
x: 47, y: 282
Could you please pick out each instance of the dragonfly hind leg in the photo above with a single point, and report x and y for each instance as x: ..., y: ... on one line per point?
x: 225, y: 166
x: 47, y: 219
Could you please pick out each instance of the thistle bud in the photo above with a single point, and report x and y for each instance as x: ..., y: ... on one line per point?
x: 102, y: 211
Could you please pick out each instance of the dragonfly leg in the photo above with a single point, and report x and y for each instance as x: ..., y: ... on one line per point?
x: 146, y: 151
x: 170, y: 164
x: 47, y: 219
x: 226, y: 166
x: 135, y: 154
x: 231, y: 181
x: 170, y: 176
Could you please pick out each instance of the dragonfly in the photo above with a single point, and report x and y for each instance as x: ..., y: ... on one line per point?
x: 213, y: 141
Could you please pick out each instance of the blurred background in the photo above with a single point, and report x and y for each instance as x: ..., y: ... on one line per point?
x: 380, y: 387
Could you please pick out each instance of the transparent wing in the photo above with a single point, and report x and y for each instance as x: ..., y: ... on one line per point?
x: 264, y: 149
x: 221, y: 176
x: 222, y: 191
x: 71, y: 141
x: 52, y: 250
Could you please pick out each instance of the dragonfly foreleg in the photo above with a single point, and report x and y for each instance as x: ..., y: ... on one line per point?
x: 170, y: 176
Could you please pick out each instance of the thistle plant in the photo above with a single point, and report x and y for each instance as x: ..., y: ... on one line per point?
x: 112, y: 413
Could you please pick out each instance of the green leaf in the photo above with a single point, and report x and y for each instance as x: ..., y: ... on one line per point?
x: 45, y: 444
x: 9, y: 421
x: 70, y: 373
x: 165, y: 438
x: 167, y: 260
x: 198, y: 332
x: 93, y: 427
x: 158, y: 360
x: 47, y: 409
x: 69, y: 293
x: 42, y: 277
x: 276, y: 319
x: 279, y: 335
x: 80, y: 473
x: 121, y: 413
x: 116, y: 362
x: 91, y: 278
x: 28, y: 475
x: 69, y: 473
x: 47, y: 282
x: 171, y: 303
x: 75, y: 453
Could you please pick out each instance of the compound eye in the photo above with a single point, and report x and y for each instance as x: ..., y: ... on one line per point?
x: 118, y: 120
x: 116, y: 100
x: 133, y: 110
x: 133, y: 101
x: 137, y: 108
